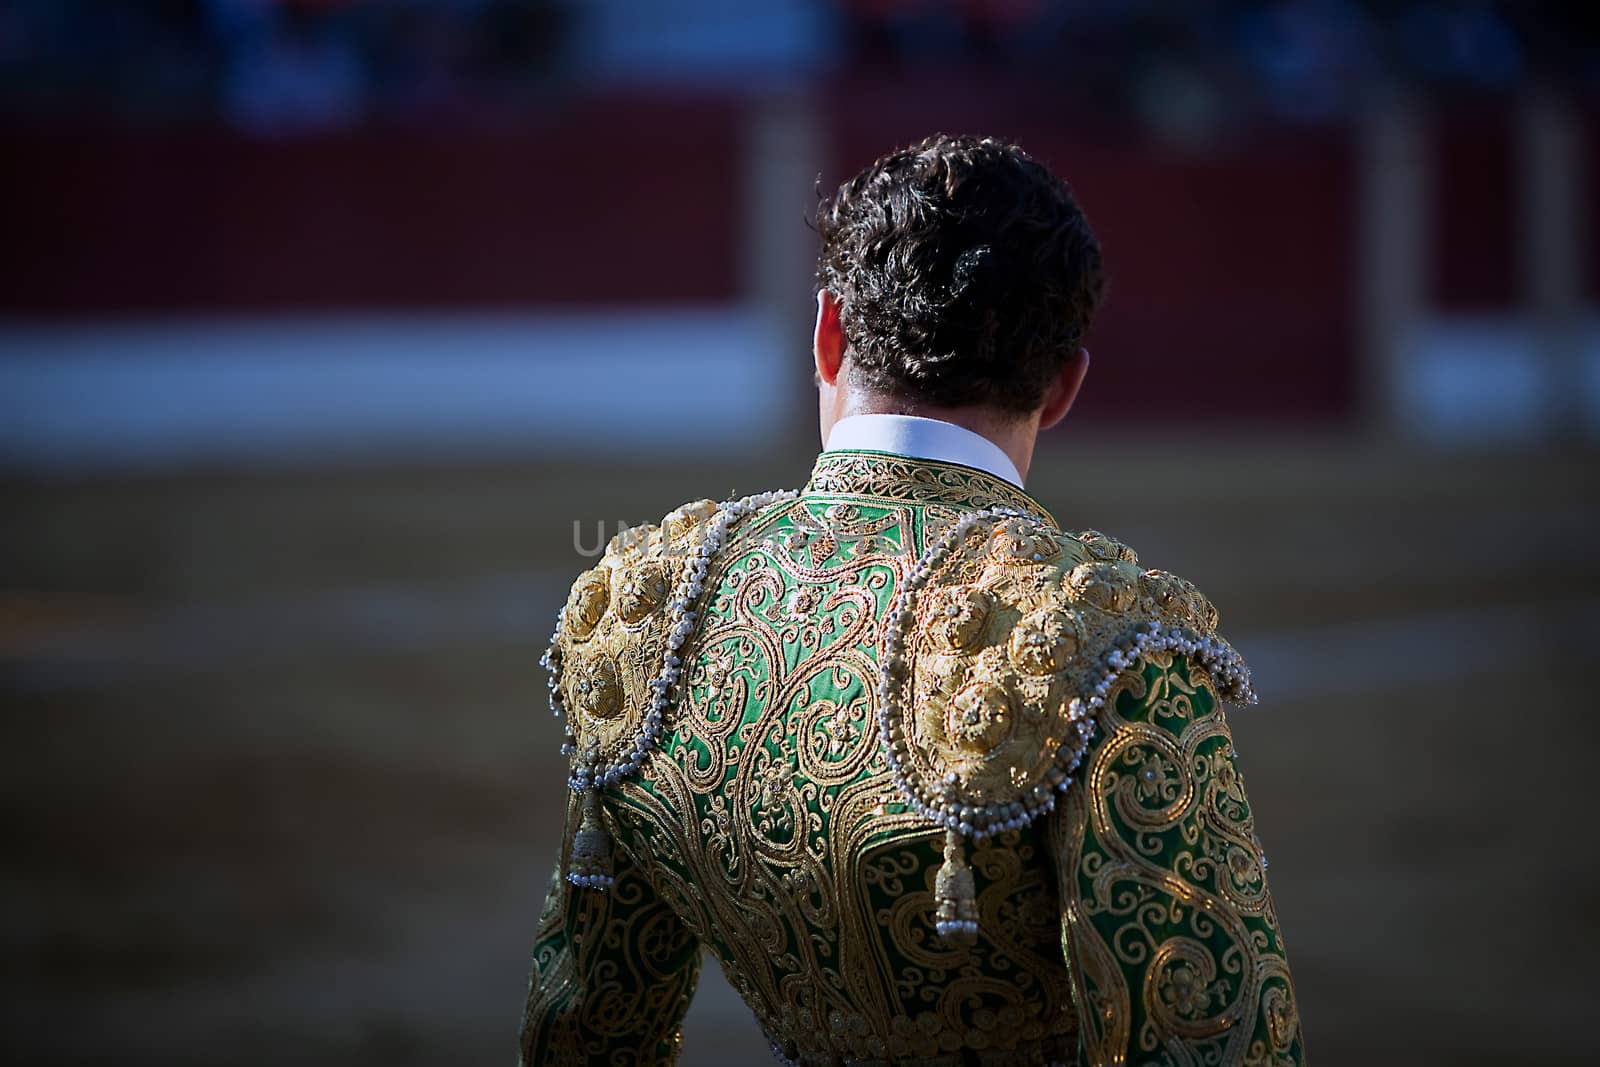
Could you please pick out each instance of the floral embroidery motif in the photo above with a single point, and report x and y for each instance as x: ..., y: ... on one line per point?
x: 767, y: 829
x: 1167, y: 916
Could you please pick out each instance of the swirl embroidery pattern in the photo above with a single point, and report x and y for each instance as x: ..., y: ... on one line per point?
x: 919, y: 481
x: 778, y: 836
x: 1175, y: 945
x: 1131, y: 925
x: 612, y: 975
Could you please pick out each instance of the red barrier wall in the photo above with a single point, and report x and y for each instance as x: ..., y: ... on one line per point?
x: 1233, y: 269
x: 1475, y: 257
x: 603, y: 202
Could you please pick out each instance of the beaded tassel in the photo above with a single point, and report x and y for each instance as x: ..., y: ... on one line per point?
x: 955, y: 894
x: 591, y: 848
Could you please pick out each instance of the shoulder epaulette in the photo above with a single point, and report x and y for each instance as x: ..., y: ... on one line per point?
x: 614, y: 659
x: 610, y: 634
x: 1002, y: 645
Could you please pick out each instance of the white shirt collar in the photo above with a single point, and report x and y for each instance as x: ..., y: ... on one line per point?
x: 919, y: 438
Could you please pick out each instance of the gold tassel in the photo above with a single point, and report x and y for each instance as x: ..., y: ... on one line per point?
x: 955, y: 894
x: 591, y: 848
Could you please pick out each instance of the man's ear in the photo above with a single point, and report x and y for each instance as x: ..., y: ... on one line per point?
x: 1064, y: 390
x: 827, y: 341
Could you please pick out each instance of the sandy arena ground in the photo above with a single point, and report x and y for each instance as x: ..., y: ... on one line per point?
x: 281, y: 787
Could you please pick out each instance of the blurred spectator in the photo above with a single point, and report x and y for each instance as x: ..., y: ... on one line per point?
x: 1310, y: 57
x: 1466, y: 44
x: 1182, y: 67
x: 289, y: 67
x: 271, y: 65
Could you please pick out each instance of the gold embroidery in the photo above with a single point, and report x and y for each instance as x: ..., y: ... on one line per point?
x: 1162, y: 880
x: 611, y: 978
x: 764, y: 819
x: 613, y: 633
x: 1007, y: 633
x: 874, y: 474
x: 768, y: 823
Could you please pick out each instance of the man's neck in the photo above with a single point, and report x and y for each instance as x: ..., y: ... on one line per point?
x: 1013, y: 435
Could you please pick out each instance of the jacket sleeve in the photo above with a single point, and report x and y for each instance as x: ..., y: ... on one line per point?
x: 1167, y: 924
x: 613, y: 972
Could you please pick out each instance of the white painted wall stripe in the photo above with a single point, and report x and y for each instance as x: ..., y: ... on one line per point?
x: 176, y: 392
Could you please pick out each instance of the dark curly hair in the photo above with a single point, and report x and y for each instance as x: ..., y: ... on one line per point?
x: 966, y: 272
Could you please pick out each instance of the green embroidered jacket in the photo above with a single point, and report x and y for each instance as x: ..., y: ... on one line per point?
x: 1096, y: 893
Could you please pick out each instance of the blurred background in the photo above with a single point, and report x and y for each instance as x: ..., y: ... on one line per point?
x: 336, y: 334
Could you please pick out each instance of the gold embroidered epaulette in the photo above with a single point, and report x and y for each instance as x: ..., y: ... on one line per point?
x: 614, y: 659
x: 998, y: 653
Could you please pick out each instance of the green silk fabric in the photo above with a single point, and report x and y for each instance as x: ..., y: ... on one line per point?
x: 766, y: 831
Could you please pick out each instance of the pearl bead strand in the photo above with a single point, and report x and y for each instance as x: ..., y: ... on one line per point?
x: 680, y: 623
x: 939, y: 802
